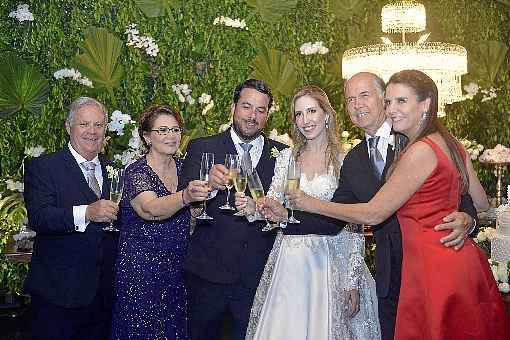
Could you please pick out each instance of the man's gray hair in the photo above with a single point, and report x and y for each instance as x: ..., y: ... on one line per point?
x: 80, y: 102
x: 378, y: 82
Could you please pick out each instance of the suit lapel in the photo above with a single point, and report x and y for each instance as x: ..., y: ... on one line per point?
x: 75, y: 172
x: 366, y: 171
x: 390, y: 154
x: 105, y: 190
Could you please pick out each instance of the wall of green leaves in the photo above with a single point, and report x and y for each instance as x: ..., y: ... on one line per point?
x: 213, y: 59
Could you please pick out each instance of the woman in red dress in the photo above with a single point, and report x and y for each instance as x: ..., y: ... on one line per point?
x: 445, y: 294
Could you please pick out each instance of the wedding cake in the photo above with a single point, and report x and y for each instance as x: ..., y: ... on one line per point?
x: 500, y: 245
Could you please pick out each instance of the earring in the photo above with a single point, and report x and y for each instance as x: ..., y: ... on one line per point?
x: 327, y: 123
x: 424, y: 116
x: 148, y: 143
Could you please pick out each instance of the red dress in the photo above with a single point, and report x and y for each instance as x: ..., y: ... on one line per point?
x: 445, y: 294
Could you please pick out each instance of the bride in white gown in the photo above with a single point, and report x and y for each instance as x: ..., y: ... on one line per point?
x: 315, y: 284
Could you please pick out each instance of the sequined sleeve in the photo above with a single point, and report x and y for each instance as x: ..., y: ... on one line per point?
x: 136, y: 182
x: 356, y: 240
x: 277, y: 187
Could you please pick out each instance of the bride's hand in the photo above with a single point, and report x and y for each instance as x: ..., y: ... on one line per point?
x: 299, y: 200
x: 272, y: 209
x: 352, y: 302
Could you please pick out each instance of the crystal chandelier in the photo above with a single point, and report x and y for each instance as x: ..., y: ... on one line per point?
x: 444, y: 63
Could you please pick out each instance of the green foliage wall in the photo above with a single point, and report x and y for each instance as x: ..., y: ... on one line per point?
x: 213, y: 59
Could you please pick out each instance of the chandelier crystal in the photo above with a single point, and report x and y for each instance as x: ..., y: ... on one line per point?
x: 445, y: 63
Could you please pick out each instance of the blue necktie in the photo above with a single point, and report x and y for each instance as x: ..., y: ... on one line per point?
x: 375, y: 156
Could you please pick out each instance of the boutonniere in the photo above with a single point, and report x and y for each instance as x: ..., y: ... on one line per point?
x: 274, y: 152
x: 110, y: 171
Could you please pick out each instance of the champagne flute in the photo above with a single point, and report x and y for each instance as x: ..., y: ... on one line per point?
x: 240, y: 182
x: 205, y: 166
x: 257, y: 192
x: 232, y: 165
x: 293, y: 178
x: 116, y: 188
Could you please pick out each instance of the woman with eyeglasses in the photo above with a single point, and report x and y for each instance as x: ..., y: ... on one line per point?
x: 150, y: 297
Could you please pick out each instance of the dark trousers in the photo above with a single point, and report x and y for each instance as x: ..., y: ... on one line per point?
x: 211, y: 302
x: 387, y: 308
x: 53, y: 322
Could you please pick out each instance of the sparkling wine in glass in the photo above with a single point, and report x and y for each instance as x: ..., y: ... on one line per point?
x: 293, y: 177
x: 205, y: 166
x: 232, y: 163
x: 116, y: 188
x: 257, y: 192
x: 240, y: 182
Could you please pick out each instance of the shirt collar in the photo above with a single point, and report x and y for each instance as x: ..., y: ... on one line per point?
x: 384, y: 131
x: 257, y: 142
x: 79, y: 158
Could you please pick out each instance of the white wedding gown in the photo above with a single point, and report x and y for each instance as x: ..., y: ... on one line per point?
x: 302, y: 292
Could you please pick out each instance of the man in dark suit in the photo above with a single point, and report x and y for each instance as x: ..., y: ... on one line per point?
x: 71, y: 272
x: 227, y: 255
x: 359, y: 182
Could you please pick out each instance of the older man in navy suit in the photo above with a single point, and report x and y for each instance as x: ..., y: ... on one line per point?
x: 71, y: 272
x: 227, y: 255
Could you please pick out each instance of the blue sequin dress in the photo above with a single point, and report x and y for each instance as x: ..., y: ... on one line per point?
x: 150, y: 297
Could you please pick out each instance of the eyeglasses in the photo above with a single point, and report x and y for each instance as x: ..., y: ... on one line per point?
x: 163, y: 131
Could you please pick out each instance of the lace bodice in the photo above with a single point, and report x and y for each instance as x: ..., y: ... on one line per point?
x: 322, y: 186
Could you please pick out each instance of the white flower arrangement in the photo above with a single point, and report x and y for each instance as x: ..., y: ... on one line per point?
x: 34, y: 151
x: 309, y: 48
x: 285, y: 138
x: 183, y: 92
x: 73, y: 74
x: 229, y: 22
x: 22, y: 13
x: 135, y: 142
x: 117, y: 122
x: 471, y: 90
x: 145, y: 43
x: 206, y: 101
x: 274, y: 108
x: 488, y: 94
x: 500, y: 154
x: 472, y: 147
x: 14, y: 185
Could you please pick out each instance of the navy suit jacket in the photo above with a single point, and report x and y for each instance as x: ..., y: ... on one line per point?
x: 68, y: 268
x: 227, y: 248
x: 358, y: 184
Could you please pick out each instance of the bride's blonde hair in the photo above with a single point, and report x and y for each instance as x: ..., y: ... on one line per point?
x: 333, y: 150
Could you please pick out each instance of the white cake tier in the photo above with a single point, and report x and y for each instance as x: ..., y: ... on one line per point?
x: 500, y: 248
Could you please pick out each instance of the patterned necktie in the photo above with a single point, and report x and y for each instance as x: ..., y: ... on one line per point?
x: 90, y: 167
x: 375, y: 156
x: 246, y: 159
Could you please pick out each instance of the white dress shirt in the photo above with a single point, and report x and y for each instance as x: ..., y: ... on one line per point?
x: 385, y: 138
x: 255, y: 151
x: 80, y: 224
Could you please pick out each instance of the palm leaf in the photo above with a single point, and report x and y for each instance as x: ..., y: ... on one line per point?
x: 275, y: 68
x: 155, y: 8
x: 345, y: 9
x: 487, y: 58
x: 100, y: 60
x: 22, y: 87
x: 272, y: 10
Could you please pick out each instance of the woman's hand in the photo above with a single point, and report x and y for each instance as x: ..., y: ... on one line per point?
x: 244, y: 203
x: 298, y: 200
x: 352, y: 302
x: 272, y: 210
x: 196, y: 191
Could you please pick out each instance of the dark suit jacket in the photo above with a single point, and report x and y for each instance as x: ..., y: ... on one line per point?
x: 227, y: 248
x: 358, y: 184
x: 68, y: 268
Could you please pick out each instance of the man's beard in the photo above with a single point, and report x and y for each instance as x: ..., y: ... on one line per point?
x: 244, y: 137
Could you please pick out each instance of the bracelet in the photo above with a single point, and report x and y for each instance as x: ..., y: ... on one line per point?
x: 183, y: 200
